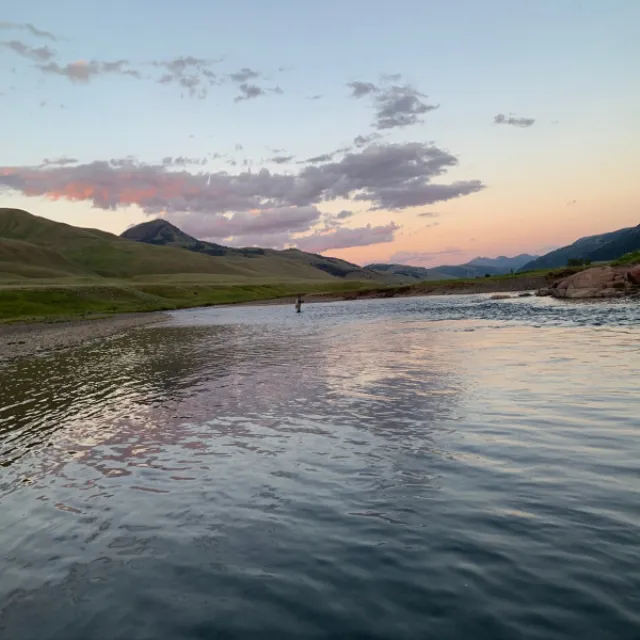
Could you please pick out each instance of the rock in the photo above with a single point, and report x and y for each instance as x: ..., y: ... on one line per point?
x: 633, y: 275
x: 500, y: 296
x: 543, y: 292
x: 526, y: 294
x: 597, y: 282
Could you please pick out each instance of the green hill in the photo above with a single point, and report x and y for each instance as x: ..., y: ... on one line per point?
x: 50, y: 270
x: 599, y: 248
x: 288, y: 263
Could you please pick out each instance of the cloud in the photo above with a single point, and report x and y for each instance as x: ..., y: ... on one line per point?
x: 251, y: 91
x: 395, y: 105
x: 343, y: 215
x: 363, y: 141
x: 279, y: 220
x: 360, y: 89
x: 30, y: 28
x: 391, y: 176
x: 400, y: 106
x: 424, y: 258
x: 244, y: 74
x: 58, y: 162
x: 193, y: 74
x: 344, y: 238
x: 325, y: 157
x: 318, y: 96
x: 39, y: 54
x: 428, y: 214
x: 281, y: 159
x: 182, y: 161
x: 513, y: 121
x: 82, y: 72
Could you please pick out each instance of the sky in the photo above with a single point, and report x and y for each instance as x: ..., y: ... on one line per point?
x: 424, y: 132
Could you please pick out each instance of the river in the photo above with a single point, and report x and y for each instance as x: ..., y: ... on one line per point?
x: 442, y: 467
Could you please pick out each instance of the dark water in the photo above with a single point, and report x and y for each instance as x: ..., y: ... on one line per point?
x: 424, y: 468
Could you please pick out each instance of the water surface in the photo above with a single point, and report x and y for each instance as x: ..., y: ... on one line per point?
x: 448, y: 467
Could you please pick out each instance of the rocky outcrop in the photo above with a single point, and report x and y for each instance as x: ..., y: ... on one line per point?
x: 598, y: 282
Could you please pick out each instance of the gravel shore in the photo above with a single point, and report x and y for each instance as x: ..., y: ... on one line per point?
x: 20, y: 340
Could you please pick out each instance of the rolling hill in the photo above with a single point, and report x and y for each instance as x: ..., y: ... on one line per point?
x: 603, y: 247
x: 35, y: 247
x: 288, y: 262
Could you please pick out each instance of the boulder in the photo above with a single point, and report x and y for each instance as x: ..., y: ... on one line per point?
x: 500, y: 296
x: 633, y: 275
x: 525, y: 294
x: 598, y: 282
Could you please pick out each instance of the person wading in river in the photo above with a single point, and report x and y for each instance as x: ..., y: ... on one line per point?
x: 299, y: 304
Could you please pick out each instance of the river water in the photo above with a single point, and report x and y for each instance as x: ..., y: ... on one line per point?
x: 444, y: 467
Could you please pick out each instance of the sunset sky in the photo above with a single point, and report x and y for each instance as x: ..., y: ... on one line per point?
x: 423, y: 132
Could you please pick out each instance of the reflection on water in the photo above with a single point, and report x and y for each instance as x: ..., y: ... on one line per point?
x: 440, y: 467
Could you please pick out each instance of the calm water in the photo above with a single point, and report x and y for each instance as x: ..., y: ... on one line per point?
x: 421, y: 468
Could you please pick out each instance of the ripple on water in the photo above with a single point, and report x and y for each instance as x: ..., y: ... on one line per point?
x: 442, y: 467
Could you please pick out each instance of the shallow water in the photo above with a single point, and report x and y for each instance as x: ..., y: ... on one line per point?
x: 448, y: 467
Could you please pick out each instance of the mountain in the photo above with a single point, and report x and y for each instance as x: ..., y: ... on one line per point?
x: 603, y: 247
x: 32, y: 246
x: 408, y: 272
x: 476, y: 268
x: 162, y: 233
x: 35, y: 247
x: 504, y: 263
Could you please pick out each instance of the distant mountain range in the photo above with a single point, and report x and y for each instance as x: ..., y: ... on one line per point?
x: 476, y: 268
x: 599, y: 248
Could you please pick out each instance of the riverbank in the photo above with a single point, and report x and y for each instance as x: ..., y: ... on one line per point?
x: 43, y: 333
x: 20, y: 340
x: 498, y: 284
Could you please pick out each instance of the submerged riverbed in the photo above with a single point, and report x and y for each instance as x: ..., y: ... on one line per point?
x: 441, y: 467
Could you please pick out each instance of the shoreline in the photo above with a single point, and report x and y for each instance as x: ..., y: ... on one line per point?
x: 508, y: 285
x: 18, y: 340
x: 22, y: 340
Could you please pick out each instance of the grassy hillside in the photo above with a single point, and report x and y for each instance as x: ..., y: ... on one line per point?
x: 598, y: 248
x: 627, y: 259
x: 65, y: 250
x: 288, y: 263
x: 97, y: 253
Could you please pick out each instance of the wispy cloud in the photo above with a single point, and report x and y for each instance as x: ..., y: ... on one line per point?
x: 83, y: 72
x: 428, y: 214
x: 58, y: 162
x: 281, y: 159
x: 266, y: 222
x: 395, y: 105
x: 363, y: 141
x: 244, y: 74
x: 344, y: 238
x: 29, y: 28
x: 513, y: 121
x: 39, y: 54
x: 194, y: 75
x: 252, y: 91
